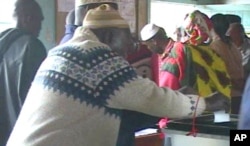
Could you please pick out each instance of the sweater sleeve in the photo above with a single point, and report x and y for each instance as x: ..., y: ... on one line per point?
x: 144, y: 96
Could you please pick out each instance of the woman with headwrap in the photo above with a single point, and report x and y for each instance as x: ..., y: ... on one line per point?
x: 192, y: 63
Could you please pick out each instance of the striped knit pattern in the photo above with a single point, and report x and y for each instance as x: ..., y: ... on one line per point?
x: 84, y: 73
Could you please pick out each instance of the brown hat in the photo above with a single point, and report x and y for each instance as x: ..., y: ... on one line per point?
x: 85, y: 2
x: 104, y: 16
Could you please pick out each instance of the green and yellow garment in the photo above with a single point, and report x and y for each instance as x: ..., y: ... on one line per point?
x: 198, y: 67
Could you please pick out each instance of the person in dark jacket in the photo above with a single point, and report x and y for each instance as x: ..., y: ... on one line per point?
x: 21, y: 53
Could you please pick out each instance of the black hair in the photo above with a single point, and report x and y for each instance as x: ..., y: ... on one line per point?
x: 24, y: 8
x: 232, y: 18
x: 221, y: 25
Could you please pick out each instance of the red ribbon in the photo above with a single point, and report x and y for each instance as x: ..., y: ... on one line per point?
x: 194, y: 130
x: 163, y: 124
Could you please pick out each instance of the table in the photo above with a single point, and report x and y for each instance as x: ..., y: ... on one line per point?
x: 209, y: 133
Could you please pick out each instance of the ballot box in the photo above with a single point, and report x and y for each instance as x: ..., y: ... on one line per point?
x: 209, y: 133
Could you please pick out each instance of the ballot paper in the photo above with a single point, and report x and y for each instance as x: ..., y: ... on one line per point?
x: 221, y: 116
x: 146, y: 131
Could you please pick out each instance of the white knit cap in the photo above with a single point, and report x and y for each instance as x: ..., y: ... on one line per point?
x: 148, y: 31
x: 104, y: 16
x: 84, y: 2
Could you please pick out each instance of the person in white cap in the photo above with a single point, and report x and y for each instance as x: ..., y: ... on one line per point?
x: 82, y: 88
x: 160, y: 44
x: 155, y: 37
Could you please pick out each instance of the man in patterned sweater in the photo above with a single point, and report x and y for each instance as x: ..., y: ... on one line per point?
x: 83, y: 86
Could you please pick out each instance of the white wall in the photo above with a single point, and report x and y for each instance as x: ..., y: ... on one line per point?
x: 169, y: 15
x: 6, y: 13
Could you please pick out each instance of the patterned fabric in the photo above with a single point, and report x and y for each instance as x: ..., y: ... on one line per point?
x: 233, y: 61
x: 163, y: 77
x: 198, y: 26
x: 198, y: 67
x: 88, y: 73
x: 211, y: 71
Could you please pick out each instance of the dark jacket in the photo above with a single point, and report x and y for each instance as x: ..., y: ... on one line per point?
x: 18, y: 65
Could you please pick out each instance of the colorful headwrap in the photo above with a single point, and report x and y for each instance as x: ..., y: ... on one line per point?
x: 198, y: 26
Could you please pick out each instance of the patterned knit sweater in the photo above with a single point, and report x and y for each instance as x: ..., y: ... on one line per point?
x: 78, y: 94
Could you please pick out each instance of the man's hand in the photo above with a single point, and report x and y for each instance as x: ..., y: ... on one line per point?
x: 216, y: 102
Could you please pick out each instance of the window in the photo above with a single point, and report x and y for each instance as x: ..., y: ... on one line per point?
x: 169, y: 15
x: 6, y: 15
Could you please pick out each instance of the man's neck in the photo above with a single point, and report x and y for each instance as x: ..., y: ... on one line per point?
x: 168, y: 46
